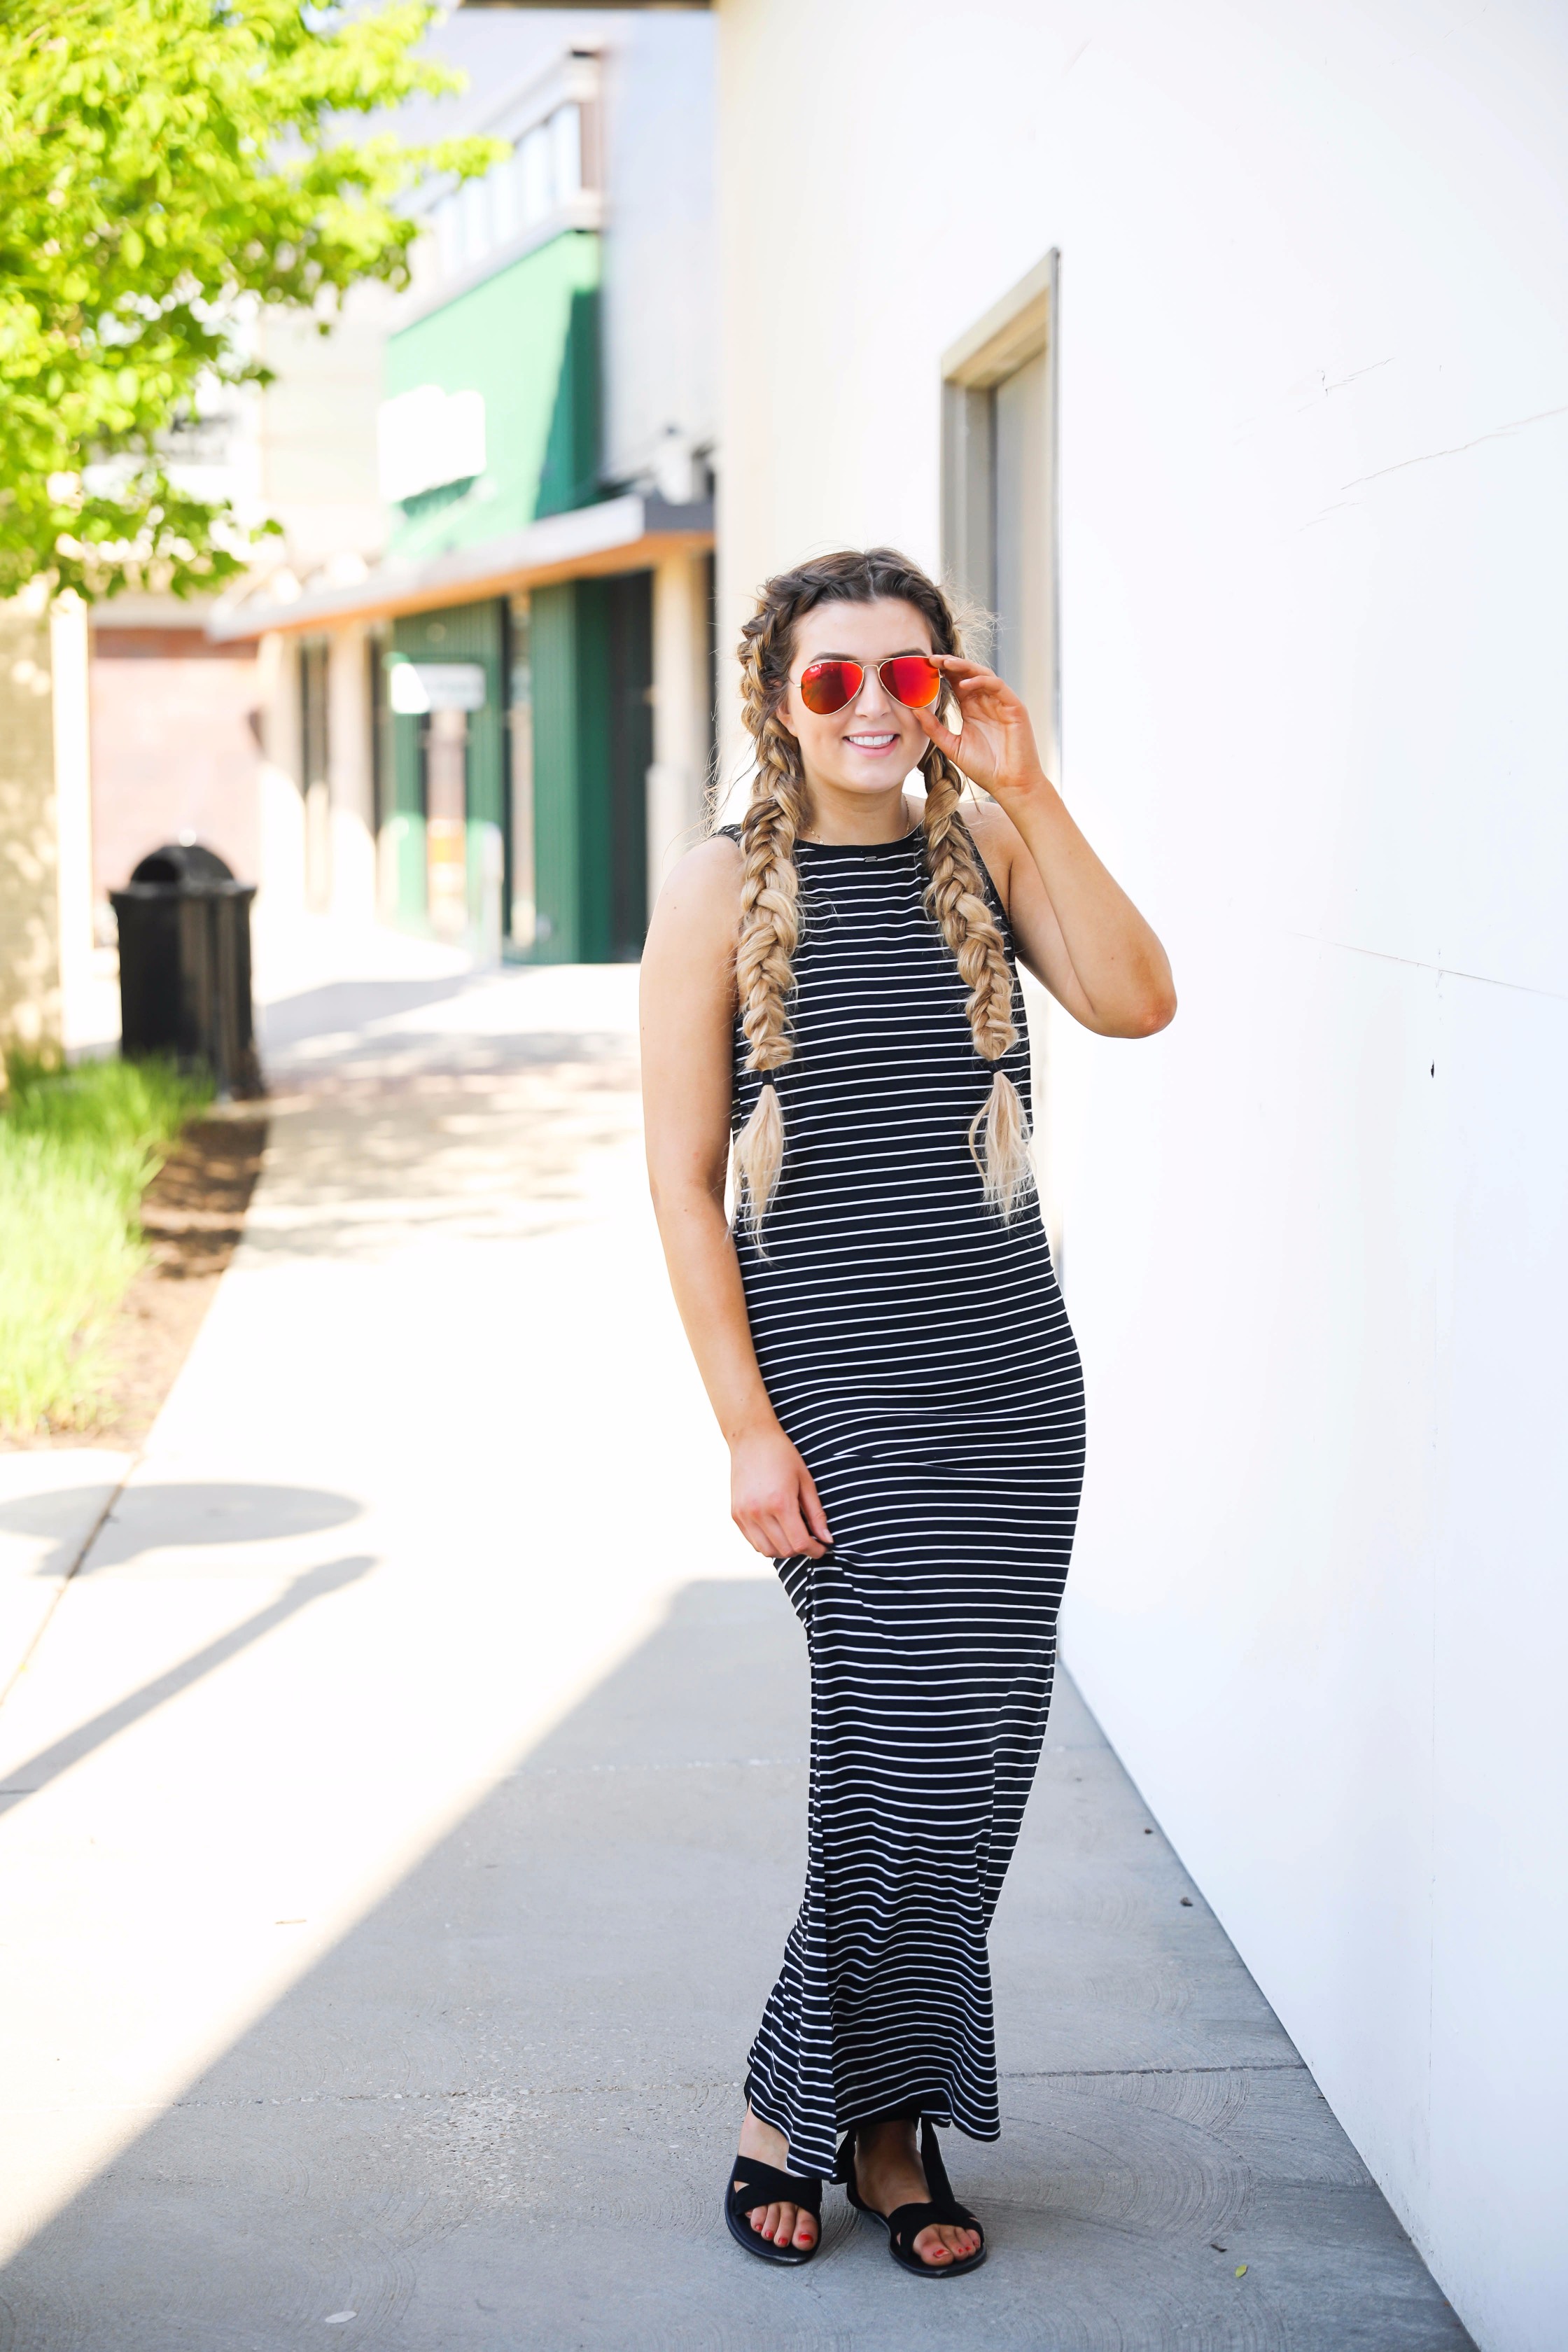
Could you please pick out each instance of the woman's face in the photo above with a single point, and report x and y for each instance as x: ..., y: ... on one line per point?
x: 873, y: 742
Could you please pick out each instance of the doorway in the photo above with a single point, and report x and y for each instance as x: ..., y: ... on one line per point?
x: 999, y: 488
x: 592, y: 683
x: 1000, y: 551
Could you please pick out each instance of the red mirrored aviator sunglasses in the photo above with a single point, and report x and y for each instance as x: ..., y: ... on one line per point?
x: 913, y: 680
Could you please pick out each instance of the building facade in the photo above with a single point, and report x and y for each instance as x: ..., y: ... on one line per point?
x: 1222, y: 355
x: 497, y: 725
x: 470, y: 690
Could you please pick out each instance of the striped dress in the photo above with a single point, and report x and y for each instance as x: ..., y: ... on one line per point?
x: 917, y: 1353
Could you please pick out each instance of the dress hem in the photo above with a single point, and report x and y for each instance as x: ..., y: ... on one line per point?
x: 937, y: 2112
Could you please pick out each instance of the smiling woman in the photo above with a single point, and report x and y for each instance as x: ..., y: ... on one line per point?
x: 831, y: 985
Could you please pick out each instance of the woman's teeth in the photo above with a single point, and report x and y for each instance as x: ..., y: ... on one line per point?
x: 871, y: 743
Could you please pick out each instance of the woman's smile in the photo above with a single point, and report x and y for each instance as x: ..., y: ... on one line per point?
x: 869, y: 740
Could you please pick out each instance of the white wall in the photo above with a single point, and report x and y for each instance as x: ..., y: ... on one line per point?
x: 658, y: 322
x: 1315, y: 484
x: 82, y: 1021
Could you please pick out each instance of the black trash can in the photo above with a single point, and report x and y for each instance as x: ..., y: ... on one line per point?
x: 184, y: 965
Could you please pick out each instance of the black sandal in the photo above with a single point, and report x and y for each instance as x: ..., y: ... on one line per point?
x: 752, y: 2183
x: 905, y: 2222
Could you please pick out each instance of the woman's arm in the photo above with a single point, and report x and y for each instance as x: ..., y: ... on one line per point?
x: 688, y: 1014
x: 1077, y: 928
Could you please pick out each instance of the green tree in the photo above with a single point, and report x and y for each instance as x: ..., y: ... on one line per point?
x: 164, y: 166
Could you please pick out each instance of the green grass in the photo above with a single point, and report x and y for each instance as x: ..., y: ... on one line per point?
x: 77, y: 1150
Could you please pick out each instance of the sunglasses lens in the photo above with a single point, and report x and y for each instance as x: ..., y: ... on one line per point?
x: 913, y: 680
x: 827, y: 686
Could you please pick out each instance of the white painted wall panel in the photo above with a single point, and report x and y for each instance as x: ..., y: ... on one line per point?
x: 658, y: 294
x: 1314, y: 439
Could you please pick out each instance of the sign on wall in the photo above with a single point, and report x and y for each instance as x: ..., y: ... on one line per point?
x: 427, y: 438
x: 416, y: 686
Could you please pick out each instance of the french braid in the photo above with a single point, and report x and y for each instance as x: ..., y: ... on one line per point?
x: 999, y: 1132
x: 770, y: 908
x: 770, y: 887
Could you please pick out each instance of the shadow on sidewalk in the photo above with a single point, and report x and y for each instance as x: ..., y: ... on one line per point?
x: 499, y: 2113
x: 34, y: 1772
x: 343, y: 1006
x: 153, y: 1515
x: 365, y: 1033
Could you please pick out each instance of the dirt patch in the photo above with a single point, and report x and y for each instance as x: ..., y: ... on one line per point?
x: 193, y: 1214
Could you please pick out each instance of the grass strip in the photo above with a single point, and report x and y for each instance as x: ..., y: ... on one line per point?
x: 77, y: 1148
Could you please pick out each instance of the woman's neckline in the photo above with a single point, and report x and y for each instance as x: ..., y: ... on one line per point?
x: 864, y: 848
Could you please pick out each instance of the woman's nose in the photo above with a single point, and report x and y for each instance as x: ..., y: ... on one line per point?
x: 873, y: 700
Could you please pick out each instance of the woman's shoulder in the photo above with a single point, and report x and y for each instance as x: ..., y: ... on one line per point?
x: 714, y: 864
x: 987, y: 820
x: 700, y: 897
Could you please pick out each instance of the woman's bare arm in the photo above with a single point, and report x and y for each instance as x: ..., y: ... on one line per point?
x: 688, y: 1014
x: 1077, y: 928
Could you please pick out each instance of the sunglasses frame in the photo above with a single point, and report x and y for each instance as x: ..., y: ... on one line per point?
x: 844, y: 661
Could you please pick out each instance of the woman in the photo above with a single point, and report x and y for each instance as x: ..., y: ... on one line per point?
x: 881, y: 1335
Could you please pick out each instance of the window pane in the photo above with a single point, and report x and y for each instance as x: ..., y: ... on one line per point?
x: 534, y: 157
x: 505, y: 208
x: 476, y: 219
x: 566, y: 139
x: 449, y: 235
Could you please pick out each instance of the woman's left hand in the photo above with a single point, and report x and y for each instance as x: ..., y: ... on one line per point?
x: 1075, y: 927
x: 996, y: 748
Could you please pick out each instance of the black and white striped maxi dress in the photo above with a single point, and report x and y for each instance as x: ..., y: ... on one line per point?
x: 918, y: 1352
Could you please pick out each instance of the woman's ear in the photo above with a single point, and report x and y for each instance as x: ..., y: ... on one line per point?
x: 785, y: 721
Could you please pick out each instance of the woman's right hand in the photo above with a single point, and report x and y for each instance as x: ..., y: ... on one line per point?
x: 773, y: 1497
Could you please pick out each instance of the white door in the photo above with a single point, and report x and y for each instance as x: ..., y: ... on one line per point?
x: 1000, y: 543
x: 1021, y: 539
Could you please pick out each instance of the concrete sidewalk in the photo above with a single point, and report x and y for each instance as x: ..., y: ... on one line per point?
x: 401, y: 1815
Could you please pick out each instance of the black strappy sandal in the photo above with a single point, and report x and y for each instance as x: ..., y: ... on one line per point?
x: 752, y: 2183
x: 905, y: 2222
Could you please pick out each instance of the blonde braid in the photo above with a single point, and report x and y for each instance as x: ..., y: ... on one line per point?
x: 999, y: 1132
x: 770, y: 920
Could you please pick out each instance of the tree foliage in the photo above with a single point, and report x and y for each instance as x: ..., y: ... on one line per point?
x: 165, y: 166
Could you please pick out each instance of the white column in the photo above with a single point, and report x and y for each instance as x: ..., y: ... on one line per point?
x: 281, y: 899
x: 350, y: 775
x: 677, y: 782
x: 29, y: 844
x: 445, y: 822
x: 81, y: 1019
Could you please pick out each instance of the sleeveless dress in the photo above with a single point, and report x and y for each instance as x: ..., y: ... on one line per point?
x: 917, y: 1353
